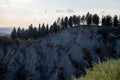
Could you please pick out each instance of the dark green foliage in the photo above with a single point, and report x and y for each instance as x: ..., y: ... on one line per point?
x: 43, y: 30
x: 103, y: 21
x: 83, y: 19
x: 107, y: 21
x: 60, y: 24
x: 35, y: 33
x: 19, y: 33
x: 115, y: 21
x: 89, y: 18
x: 39, y: 31
x: 55, y: 27
x: 61, y: 72
x: 3, y: 70
x: 51, y: 29
x: 66, y: 22
x: 21, y: 74
x: 96, y: 19
x: 70, y: 22
x: 76, y: 20
x: 13, y: 34
x: 30, y: 31
x: 47, y: 29
x: 87, y: 56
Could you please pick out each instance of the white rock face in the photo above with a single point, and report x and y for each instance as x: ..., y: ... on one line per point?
x: 57, y: 57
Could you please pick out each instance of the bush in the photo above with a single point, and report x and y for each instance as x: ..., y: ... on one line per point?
x: 109, y: 70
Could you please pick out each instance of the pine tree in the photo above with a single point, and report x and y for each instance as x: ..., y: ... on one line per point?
x: 78, y: 20
x: 59, y: 21
x: 74, y: 20
x: 23, y: 33
x: 115, y: 21
x: 47, y: 29
x: 83, y: 19
x: 30, y: 31
x: 70, y: 21
x: 13, y: 34
x: 108, y: 20
x: 96, y: 19
x: 55, y: 27
x: 19, y: 33
x: 51, y: 29
x: 39, y: 34
x: 66, y: 22
x: 103, y: 21
x: 35, y: 33
x: 89, y: 18
x: 43, y: 30
x: 62, y: 24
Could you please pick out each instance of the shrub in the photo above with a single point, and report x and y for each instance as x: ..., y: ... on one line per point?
x: 109, y: 70
x: 87, y: 56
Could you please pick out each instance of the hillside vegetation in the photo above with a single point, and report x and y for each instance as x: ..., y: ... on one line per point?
x: 109, y: 70
x: 59, y: 56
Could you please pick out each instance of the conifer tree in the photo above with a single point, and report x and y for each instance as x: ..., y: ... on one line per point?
x: 70, y: 21
x: 96, y: 19
x: 19, y: 33
x: 83, y: 19
x: 89, y: 18
x: 115, y: 21
x: 66, y: 22
x: 13, y: 34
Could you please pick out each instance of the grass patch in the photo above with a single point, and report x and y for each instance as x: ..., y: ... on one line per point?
x: 109, y: 70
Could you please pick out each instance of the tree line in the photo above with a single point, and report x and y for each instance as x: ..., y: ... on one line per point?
x: 63, y: 23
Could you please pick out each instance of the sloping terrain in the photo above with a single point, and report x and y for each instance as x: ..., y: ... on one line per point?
x: 60, y: 56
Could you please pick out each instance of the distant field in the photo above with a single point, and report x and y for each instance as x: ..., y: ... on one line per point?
x: 5, y: 30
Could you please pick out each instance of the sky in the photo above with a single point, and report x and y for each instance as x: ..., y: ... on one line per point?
x: 15, y: 13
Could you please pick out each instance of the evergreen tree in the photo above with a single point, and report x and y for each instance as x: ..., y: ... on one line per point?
x: 62, y: 24
x: 19, y: 33
x: 30, y: 31
x: 47, y: 29
x: 43, y: 30
x: 23, y: 33
x: 103, y: 21
x: 39, y: 31
x: 51, y: 29
x: 78, y: 20
x: 74, y: 20
x: 119, y: 22
x: 108, y: 20
x: 96, y: 19
x: 83, y: 19
x: 13, y: 34
x: 35, y: 33
x: 59, y: 21
x: 66, y: 22
x: 26, y: 34
x: 115, y: 21
x: 70, y: 21
x: 55, y: 27
x: 89, y: 18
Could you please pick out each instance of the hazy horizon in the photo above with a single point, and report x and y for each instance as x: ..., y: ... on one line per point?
x: 15, y: 13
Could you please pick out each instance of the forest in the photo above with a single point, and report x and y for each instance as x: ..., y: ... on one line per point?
x: 62, y: 23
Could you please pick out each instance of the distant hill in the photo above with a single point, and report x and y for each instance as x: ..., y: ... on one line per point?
x: 5, y: 30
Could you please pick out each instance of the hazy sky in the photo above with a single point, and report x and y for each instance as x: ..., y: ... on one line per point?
x: 24, y: 12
